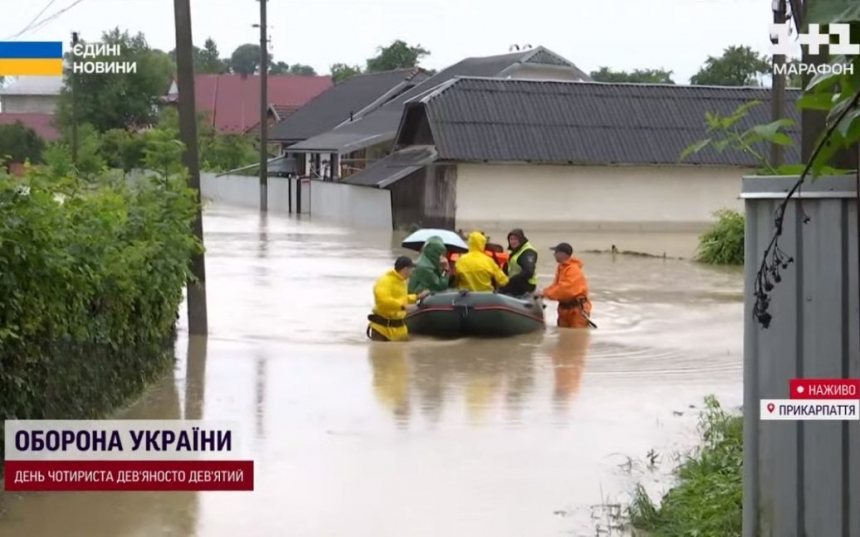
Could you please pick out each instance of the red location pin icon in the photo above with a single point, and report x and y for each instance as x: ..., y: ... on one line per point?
x: 770, y: 407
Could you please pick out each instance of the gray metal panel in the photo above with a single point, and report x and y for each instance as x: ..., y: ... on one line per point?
x: 823, y: 326
x: 853, y: 367
x: 802, y: 478
x: 776, y: 187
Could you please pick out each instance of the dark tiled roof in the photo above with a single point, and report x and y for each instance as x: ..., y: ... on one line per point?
x: 42, y: 124
x: 483, y: 119
x: 382, y: 124
x: 394, y: 167
x: 332, y: 107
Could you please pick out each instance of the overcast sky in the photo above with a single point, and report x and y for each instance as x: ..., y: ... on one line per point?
x: 677, y: 35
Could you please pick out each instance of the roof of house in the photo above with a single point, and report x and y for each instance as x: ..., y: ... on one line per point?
x: 357, y: 95
x: 43, y: 124
x: 283, y: 111
x: 233, y: 101
x: 381, y: 125
x: 585, y: 123
x: 34, y: 85
x: 394, y: 167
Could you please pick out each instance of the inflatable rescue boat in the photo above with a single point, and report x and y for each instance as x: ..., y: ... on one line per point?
x: 483, y: 314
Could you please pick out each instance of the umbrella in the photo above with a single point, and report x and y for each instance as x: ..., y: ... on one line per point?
x: 453, y: 241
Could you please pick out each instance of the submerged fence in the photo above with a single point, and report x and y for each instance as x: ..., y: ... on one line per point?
x: 339, y: 203
x: 802, y: 478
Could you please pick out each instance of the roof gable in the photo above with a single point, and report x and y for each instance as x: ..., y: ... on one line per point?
x: 486, y: 119
x: 343, y: 101
x: 383, y: 123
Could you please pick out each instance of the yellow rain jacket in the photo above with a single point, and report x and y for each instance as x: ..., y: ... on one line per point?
x: 391, y: 298
x: 476, y: 271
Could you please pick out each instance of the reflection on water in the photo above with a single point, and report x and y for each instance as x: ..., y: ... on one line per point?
x: 568, y: 359
x: 426, y: 438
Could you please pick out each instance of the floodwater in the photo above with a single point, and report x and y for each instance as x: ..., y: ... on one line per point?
x: 507, y: 438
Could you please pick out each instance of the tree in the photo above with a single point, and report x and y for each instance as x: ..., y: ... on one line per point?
x: 19, y: 143
x: 208, y: 59
x: 341, y: 71
x: 245, y: 60
x: 642, y: 76
x: 279, y: 68
x: 283, y: 68
x: 302, y: 70
x: 397, y: 55
x: 738, y: 66
x: 119, y: 100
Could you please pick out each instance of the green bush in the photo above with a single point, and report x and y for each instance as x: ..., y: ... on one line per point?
x: 19, y: 143
x: 91, y: 278
x: 723, y: 243
x: 708, y: 499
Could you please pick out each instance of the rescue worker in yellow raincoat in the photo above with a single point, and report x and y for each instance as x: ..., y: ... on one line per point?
x: 391, y: 297
x: 476, y: 271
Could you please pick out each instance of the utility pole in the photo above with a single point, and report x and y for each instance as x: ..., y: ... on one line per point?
x: 74, y: 104
x: 777, y: 98
x: 264, y: 110
x: 197, y: 314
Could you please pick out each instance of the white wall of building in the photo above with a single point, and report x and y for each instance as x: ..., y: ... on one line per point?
x: 590, y: 198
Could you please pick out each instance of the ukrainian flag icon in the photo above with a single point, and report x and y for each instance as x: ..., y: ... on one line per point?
x: 31, y: 58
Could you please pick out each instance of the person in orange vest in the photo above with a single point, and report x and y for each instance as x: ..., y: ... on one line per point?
x: 569, y: 289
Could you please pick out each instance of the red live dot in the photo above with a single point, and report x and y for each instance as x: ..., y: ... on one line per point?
x: 824, y: 388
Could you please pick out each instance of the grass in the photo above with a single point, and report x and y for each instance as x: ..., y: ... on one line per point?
x: 723, y: 243
x: 708, y: 499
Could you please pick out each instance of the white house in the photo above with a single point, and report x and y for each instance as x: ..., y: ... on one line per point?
x: 486, y: 153
x: 31, y: 95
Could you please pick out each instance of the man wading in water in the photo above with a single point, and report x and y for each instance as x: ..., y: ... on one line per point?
x: 570, y: 290
x: 391, y: 298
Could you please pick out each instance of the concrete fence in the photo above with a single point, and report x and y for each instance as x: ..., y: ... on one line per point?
x: 802, y: 478
x: 339, y: 203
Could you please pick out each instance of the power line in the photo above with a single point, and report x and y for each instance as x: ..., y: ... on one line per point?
x: 45, y: 21
x: 32, y: 22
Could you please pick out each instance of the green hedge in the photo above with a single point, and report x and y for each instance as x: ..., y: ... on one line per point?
x: 91, y: 278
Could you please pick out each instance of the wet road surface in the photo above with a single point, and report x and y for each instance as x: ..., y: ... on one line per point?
x: 516, y: 437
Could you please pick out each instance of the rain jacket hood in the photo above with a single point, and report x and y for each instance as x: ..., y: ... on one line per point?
x: 428, y: 274
x: 477, y: 242
x: 518, y: 233
x: 433, y: 250
x: 476, y: 271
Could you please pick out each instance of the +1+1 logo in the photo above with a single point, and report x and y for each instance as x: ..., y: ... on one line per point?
x: 813, y: 39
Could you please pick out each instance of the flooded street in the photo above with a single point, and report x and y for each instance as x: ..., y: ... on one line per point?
x: 502, y: 438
